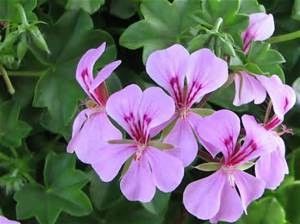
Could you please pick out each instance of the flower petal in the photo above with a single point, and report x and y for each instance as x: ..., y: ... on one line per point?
x: 261, y: 27
x: 4, y: 220
x: 258, y: 140
x: 283, y: 96
x: 94, y: 133
x: 219, y: 132
x: 123, y: 104
x: 272, y: 167
x: 110, y: 159
x: 167, y: 68
x: 250, y: 187
x: 202, y: 198
x: 137, y: 183
x: 167, y: 171
x: 247, y: 89
x: 231, y: 207
x: 184, y: 141
x: 156, y: 107
x: 84, y: 71
x: 205, y: 73
x: 103, y: 74
x: 78, y: 123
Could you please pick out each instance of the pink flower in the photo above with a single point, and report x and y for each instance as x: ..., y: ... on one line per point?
x: 203, y: 73
x: 4, y: 220
x: 261, y: 27
x: 216, y: 197
x: 91, y: 127
x: 272, y: 167
x: 247, y: 87
x: 139, y: 113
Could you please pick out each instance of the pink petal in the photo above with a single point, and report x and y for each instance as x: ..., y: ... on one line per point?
x: 110, y: 159
x: 103, y: 74
x: 156, y: 107
x: 250, y: 187
x: 79, y: 121
x: 205, y: 73
x: 219, y: 132
x: 183, y: 139
x: 261, y: 27
x: 4, y: 220
x: 202, y: 198
x: 124, y: 103
x: 137, y: 184
x: 84, y: 71
x: 167, y: 68
x: 257, y: 141
x: 272, y: 167
x: 283, y: 96
x: 231, y: 207
x: 247, y: 89
x: 167, y: 171
x: 94, y: 133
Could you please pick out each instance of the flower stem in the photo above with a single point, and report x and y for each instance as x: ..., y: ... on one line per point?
x: 25, y: 73
x: 268, y: 111
x: 285, y: 37
x: 22, y: 14
x: 9, y: 85
x: 218, y: 24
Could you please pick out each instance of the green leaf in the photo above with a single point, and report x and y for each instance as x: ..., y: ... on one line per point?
x: 68, y: 39
x: 266, y: 60
x: 159, y: 30
x: 61, y: 192
x: 123, y: 9
x: 159, y: 204
x: 294, y: 163
x: 89, y: 6
x: 224, y: 97
x: 289, y: 197
x: 250, y: 6
x: 127, y: 212
x: 228, y: 11
x: 8, y: 9
x: 267, y: 211
x: 104, y: 195
x: 296, y: 10
x: 12, y: 130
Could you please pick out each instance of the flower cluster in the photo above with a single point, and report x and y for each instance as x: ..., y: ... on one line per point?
x: 149, y: 159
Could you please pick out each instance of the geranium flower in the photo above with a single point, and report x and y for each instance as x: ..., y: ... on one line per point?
x: 261, y: 27
x: 203, y: 73
x: 139, y: 113
x: 91, y: 127
x: 272, y: 167
x: 4, y: 220
x: 247, y: 87
x: 216, y: 197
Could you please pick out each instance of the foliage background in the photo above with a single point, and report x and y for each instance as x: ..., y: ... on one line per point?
x: 39, y: 181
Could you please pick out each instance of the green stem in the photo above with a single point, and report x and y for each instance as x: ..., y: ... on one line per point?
x: 14, y: 152
x: 217, y: 24
x: 9, y: 86
x: 25, y: 73
x: 285, y: 37
x: 4, y: 157
x: 22, y: 14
